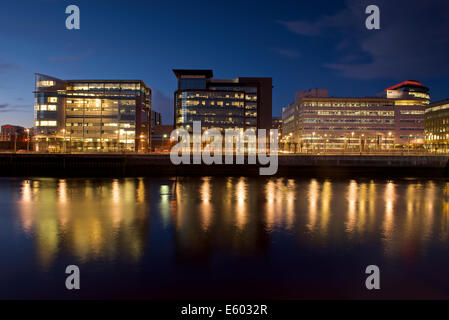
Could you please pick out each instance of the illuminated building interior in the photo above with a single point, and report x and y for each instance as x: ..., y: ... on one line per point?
x: 437, y: 126
x: 242, y: 103
x: 393, y: 119
x: 91, y: 115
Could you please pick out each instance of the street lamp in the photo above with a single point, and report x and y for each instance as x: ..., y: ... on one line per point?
x: 15, y: 140
x: 362, y: 139
x: 118, y: 140
x: 142, y: 137
x: 352, y: 138
x: 409, y: 143
x: 313, y: 141
x: 63, y: 138
x: 126, y: 140
x: 28, y: 139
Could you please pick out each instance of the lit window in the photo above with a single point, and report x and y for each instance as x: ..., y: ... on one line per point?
x: 43, y: 107
x: 45, y: 83
x: 51, y: 107
x: 52, y: 99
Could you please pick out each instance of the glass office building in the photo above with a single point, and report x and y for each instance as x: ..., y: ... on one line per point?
x: 437, y: 126
x: 393, y: 119
x: 92, y: 115
x: 241, y: 103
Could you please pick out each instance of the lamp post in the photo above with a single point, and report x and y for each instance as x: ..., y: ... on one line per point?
x: 118, y: 140
x: 15, y: 140
x: 63, y: 140
x: 362, y: 139
x: 126, y: 140
x: 325, y: 143
x: 409, y: 143
x: 313, y: 142
x: 28, y: 139
x: 389, y: 135
x: 352, y: 137
x: 142, y: 137
x: 70, y: 140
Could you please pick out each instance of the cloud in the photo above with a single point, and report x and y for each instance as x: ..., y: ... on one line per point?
x: 302, y: 27
x: 412, y: 43
x: 71, y: 59
x: 289, y: 53
x: 321, y: 26
x: 163, y: 104
x: 7, y: 107
x: 7, y: 66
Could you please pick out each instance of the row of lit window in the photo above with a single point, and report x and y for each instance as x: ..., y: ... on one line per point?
x: 215, y: 120
x: 442, y: 107
x: 194, y: 103
x: 97, y: 110
x: 101, y: 86
x: 341, y: 104
x: 350, y: 113
x: 389, y: 121
x: 107, y: 94
x: 410, y: 102
x: 46, y: 123
x: 45, y: 107
x: 347, y: 128
x: 99, y: 124
x: 420, y: 95
x: 438, y: 137
x: 45, y: 83
x: 348, y: 137
x: 102, y: 101
x: 412, y: 111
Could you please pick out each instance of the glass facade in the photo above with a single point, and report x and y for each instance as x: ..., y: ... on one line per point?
x: 437, y: 126
x: 218, y: 104
x: 95, y: 115
x: 216, y: 109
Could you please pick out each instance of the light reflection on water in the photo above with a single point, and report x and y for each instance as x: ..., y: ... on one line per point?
x: 175, y: 231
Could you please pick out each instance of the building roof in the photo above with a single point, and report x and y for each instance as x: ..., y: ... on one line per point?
x: 438, y: 103
x: 94, y: 80
x: 193, y: 72
x: 405, y: 83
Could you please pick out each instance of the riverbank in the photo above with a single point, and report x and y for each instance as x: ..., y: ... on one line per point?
x: 120, y: 165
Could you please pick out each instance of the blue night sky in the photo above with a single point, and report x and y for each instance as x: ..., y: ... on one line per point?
x: 300, y: 44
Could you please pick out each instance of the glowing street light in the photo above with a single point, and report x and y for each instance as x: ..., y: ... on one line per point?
x: 28, y: 139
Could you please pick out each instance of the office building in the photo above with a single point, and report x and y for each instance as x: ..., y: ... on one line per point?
x: 437, y: 126
x: 276, y: 123
x: 156, y: 118
x: 160, y: 138
x: 12, y: 133
x: 393, y: 119
x: 91, y: 115
x: 241, y: 103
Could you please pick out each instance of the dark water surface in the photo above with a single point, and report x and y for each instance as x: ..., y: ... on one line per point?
x: 273, y: 238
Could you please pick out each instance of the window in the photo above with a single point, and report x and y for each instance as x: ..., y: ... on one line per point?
x: 44, y: 123
x: 45, y: 83
x: 52, y: 99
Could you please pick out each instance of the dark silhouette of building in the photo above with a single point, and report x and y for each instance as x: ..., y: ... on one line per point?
x: 11, y: 133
